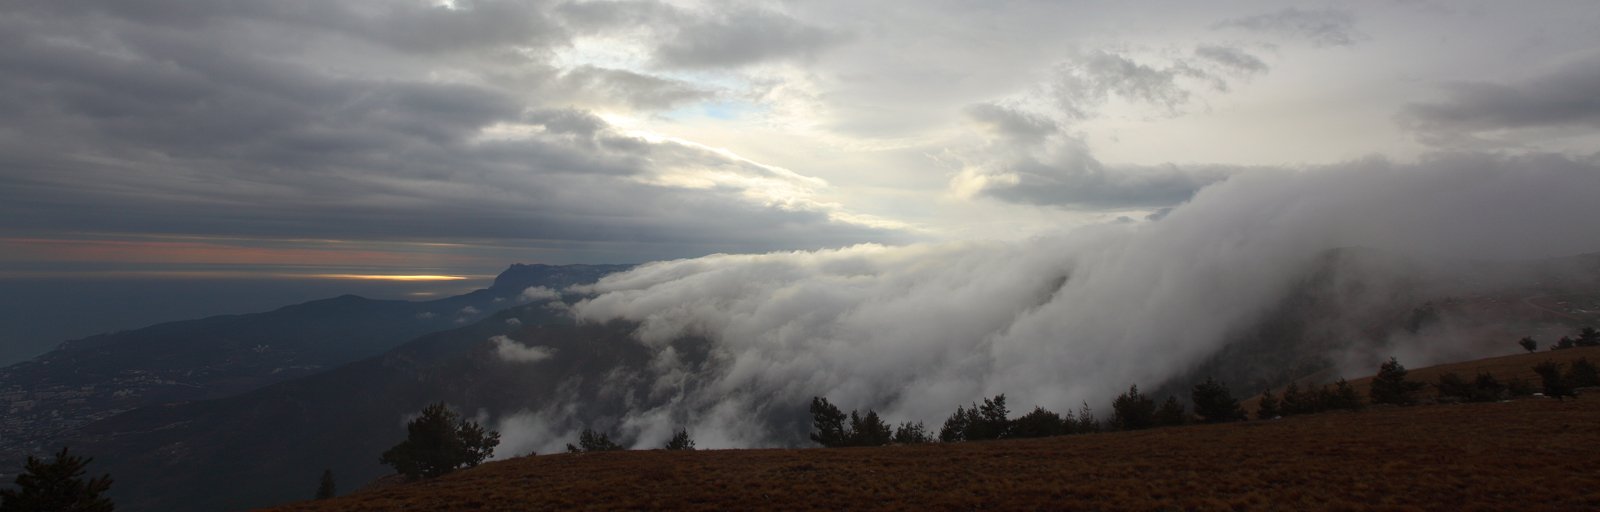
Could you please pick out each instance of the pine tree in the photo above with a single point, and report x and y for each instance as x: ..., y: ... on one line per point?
x: 1583, y: 374
x: 1171, y: 413
x: 827, y: 423
x: 1294, y: 402
x: 592, y: 441
x: 1555, y: 384
x: 1038, y: 423
x: 1343, y: 396
x: 955, y: 427
x: 680, y: 441
x: 1268, y: 407
x: 911, y: 433
x: 439, y: 442
x: 869, y: 430
x: 1087, y: 422
x: 1529, y: 344
x: 325, y: 488
x: 1391, y: 386
x: 1214, y: 403
x: 1588, y: 337
x: 1133, y: 410
x: 990, y: 421
x: 57, y: 485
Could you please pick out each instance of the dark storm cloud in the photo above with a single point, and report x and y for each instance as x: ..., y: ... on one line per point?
x: 280, y: 119
x: 1320, y: 27
x: 1565, y: 98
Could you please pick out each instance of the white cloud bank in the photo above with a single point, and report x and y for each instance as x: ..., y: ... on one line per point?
x: 512, y: 352
x: 1063, y: 317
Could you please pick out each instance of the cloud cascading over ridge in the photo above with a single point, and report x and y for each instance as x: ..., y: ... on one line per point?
x: 1065, y: 317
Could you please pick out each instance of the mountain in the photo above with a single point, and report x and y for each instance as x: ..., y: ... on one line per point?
x: 270, y: 445
x: 93, y: 378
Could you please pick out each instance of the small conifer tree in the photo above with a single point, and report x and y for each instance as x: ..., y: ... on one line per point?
x: 1268, y: 407
x: 592, y: 441
x: 1555, y: 383
x: 1214, y: 403
x: 1171, y: 413
x: 1529, y: 344
x: 680, y: 441
x: 1133, y: 410
x: 827, y: 423
x: 57, y: 485
x: 1038, y: 423
x: 325, y: 487
x: 911, y: 433
x: 439, y: 442
x: 1391, y: 387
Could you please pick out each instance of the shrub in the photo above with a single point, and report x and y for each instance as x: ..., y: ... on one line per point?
x: 1519, y: 386
x: 1214, y: 403
x: 1583, y: 374
x: 1529, y: 344
x: 1133, y: 410
x: 1391, y: 386
x: 1453, y: 386
x: 438, y: 442
x: 1555, y: 384
x: 1171, y: 413
x: 1564, y: 343
x: 57, y: 485
x: 1038, y: 423
x: 680, y: 441
x: 1485, y: 388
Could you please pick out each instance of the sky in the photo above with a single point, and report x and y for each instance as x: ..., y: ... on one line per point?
x: 315, y: 141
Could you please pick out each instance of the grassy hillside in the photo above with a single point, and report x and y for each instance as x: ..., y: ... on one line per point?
x: 1533, y: 454
x: 1504, y: 368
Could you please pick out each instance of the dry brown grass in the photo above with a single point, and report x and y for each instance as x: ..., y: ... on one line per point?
x: 1535, y: 454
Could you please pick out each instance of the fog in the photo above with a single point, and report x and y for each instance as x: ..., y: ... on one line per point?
x: 1063, y: 317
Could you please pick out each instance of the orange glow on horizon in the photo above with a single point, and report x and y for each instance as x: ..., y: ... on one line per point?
x: 387, y: 277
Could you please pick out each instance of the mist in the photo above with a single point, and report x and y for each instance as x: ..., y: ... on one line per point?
x: 1061, y: 318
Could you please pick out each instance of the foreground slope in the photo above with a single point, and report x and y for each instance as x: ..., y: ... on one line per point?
x: 1535, y: 454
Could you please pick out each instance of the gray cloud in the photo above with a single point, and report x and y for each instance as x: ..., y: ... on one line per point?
x: 262, y: 120
x: 1320, y: 27
x: 1564, y: 98
x: 1234, y: 58
x: 634, y: 90
x: 1084, y: 84
x: 740, y: 37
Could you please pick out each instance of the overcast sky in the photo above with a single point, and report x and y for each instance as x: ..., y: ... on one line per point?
x: 457, y: 137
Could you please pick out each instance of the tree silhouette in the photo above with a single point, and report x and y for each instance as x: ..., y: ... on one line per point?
x: 1087, y: 422
x: 1588, y: 337
x: 1555, y: 384
x: 680, y: 441
x: 438, y: 442
x: 1171, y: 413
x: 911, y: 433
x: 1529, y: 344
x: 955, y: 427
x: 1268, y: 407
x: 1583, y: 374
x: 1214, y: 403
x: 827, y: 423
x: 1391, y: 386
x: 325, y: 488
x: 592, y: 441
x: 1133, y: 410
x: 1341, y: 396
x: 1038, y: 423
x: 869, y: 430
x: 57, y: 485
